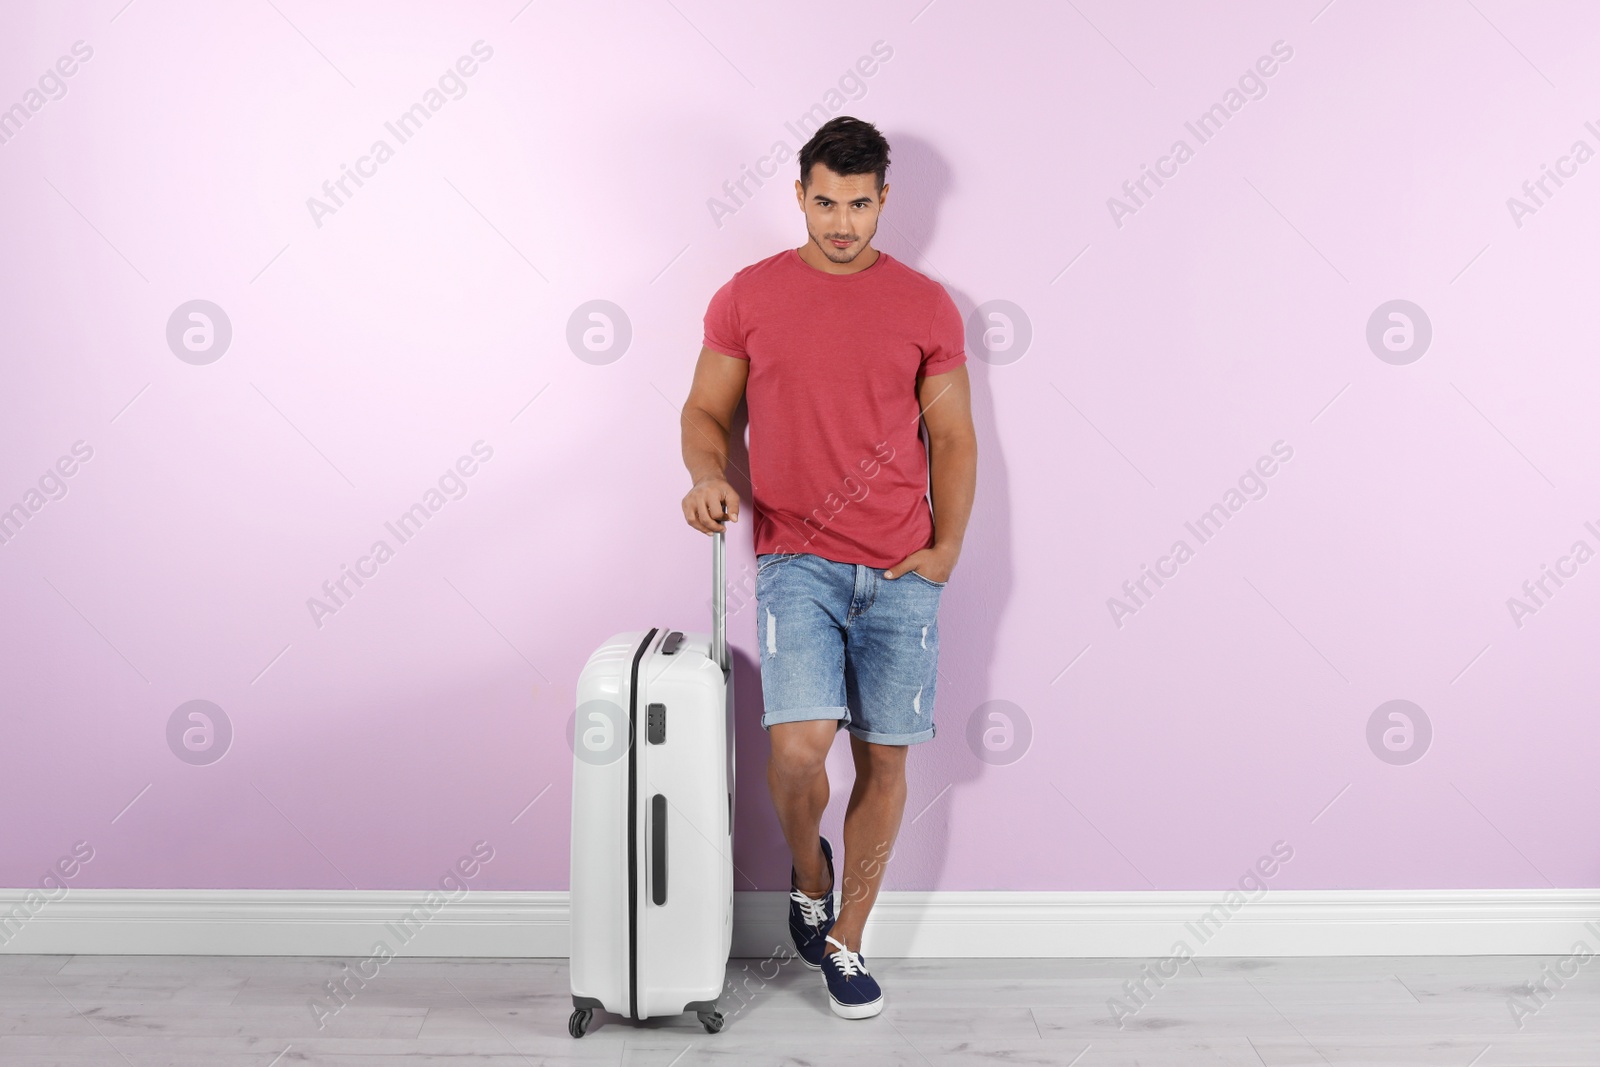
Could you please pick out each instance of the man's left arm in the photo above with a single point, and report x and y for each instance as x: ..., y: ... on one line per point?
x: 946, y: 402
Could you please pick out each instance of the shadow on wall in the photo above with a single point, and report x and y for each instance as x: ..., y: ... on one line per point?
x: 758, y: 845
x: 968, y: 616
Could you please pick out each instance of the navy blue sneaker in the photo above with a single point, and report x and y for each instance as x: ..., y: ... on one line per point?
x: 810, y: 920
x: 852, y: 992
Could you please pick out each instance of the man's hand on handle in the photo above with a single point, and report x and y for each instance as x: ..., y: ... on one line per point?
x: 711, y: 505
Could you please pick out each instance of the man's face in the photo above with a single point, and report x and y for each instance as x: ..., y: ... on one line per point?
x: 841, y: 211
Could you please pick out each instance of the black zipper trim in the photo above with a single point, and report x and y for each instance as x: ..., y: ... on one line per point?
x: 633, y: 828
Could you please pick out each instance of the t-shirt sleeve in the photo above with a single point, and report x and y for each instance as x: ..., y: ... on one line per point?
x: 722, y: 331
x: 945, y: 348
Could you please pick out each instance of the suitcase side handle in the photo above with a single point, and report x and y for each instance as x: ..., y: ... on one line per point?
x: 719, y: 602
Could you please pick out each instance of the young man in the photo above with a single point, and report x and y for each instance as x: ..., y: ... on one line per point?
x: 845, y: 352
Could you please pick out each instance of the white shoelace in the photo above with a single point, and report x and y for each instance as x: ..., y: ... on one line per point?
x: 849, y: 963
x: 813, y: 911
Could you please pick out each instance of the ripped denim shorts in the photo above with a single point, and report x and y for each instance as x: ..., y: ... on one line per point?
x: 841, y: 641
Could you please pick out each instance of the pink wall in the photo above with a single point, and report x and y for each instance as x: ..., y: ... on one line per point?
x: 374, y: 346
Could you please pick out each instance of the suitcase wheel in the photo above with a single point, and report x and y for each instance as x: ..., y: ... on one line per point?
x: 711, y: 1020
x: 578, y: 1025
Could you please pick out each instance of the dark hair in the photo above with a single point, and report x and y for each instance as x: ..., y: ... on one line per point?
x: 847, y: 146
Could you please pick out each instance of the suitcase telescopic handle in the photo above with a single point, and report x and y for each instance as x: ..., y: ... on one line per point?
x: 719, y: 602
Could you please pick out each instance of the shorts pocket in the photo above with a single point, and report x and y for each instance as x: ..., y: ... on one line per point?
x: 930, y: 581
x: 767, y: 560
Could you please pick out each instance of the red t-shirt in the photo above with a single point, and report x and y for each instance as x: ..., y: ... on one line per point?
x: 837, y: 464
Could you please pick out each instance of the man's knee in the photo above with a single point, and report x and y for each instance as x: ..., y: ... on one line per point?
x: 874, y: 759
x: 800, y: 749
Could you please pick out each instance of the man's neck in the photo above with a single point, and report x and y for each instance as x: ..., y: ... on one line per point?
x: 814, y: 258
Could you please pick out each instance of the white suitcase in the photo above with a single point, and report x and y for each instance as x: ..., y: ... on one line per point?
x: 652, y: 823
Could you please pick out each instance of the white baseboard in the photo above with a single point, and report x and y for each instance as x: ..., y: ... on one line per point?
x: 534, y: 924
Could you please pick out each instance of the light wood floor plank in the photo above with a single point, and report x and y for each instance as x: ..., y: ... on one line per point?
x: 146, y: 1011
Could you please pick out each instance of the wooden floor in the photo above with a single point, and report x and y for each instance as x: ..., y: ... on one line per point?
x: 214, y: 1011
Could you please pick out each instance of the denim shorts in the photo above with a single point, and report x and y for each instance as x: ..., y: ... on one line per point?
x: 841, y: 641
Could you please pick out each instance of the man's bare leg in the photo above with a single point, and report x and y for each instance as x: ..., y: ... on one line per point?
x: 871, y: 824
x: 797, y: 776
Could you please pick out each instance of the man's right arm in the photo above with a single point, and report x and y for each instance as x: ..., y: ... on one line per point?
x: 707, y: 423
